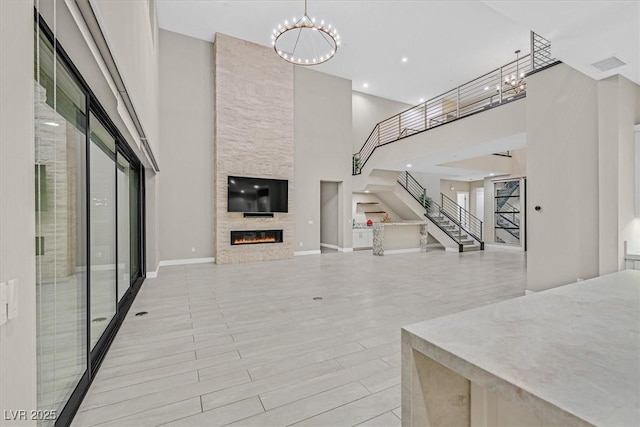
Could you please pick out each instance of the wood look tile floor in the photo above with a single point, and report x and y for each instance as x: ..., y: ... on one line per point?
x: 248, y: 345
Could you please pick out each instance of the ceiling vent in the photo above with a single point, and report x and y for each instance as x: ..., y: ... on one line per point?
x: 608, y: 64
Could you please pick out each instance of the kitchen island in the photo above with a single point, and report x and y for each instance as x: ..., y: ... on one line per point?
x: 569, y: 356
x: 399, y: 237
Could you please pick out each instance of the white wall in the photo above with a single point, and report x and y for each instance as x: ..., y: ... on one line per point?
x: 131, y: 34
x: 186, y: 139
x: 138, y: 62
x: 358, y: 211
x: 477, y: 135
x: 322, y: 133
x: 562, y: 170
x: 17, y: 210
x: 617, y: 115
x: 369, y: 110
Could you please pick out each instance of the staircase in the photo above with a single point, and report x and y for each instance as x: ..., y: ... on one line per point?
x: 451, y: 219
x: 508, y: 216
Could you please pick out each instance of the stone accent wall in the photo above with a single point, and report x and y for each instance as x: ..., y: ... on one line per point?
x: 253, y: 136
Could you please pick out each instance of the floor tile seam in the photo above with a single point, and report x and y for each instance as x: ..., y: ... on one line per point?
x: 356, y: 425
x: 184, y: 361
x: 315, y: 394
x: 378, y: 391
x: 132, y: 340
x: 306, y: 353
x: 277, y: 387
x: 150, y: 368
x: 138, y: 395
x: 133, y: 350
x: 332, y: 409
x: 393, y: 412
x: 357, y: 378
x: 129, y: 415
x: 184, y: 372
x: 109, y: 366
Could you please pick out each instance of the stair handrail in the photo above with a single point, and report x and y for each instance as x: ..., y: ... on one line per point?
x: 419, y: 194
x: 474, y: 224
x: 433, y: 209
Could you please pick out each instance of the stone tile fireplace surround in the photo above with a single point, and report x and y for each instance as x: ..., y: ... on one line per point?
x: 253, y: 114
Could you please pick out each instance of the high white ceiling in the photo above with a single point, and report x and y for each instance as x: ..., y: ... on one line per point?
x: 447, y: 43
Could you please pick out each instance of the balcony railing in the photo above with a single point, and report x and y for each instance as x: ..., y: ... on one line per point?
x: 497, y: 87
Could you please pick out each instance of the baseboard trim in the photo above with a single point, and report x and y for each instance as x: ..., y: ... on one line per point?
x: 456, y: 250
x: 186, y: 261
x: 345, y: 249
x: 401, y: 251
x: 503, y: 246
x: 299, y: 253
x: 327, y: 245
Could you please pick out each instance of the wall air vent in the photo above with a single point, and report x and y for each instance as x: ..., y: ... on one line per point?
x: 608, y: 64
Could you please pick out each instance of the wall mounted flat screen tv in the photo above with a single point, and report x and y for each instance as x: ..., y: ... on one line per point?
x: 257, y: 194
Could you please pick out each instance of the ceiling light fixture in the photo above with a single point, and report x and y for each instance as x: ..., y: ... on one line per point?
x: 365, y: 85
x: 421, y: 100
x: 305, y: 42
x: 516, y: 81
x: 405, y: 59
x: 409, y: 165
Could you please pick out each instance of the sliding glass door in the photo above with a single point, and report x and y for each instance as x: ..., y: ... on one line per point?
x: 61, y: 229
x: 124, y: 225
x: 102, y: 208
x: 89, y: 188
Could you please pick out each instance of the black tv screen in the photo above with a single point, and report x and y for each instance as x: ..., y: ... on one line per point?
x: 257, y: 194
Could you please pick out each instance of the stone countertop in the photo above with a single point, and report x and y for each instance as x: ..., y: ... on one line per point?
x: 571, y: 353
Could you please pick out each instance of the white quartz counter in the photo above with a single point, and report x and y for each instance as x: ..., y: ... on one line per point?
x: 570, y: 355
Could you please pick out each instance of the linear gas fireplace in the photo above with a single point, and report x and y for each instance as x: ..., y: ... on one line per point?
x: 253, y: 237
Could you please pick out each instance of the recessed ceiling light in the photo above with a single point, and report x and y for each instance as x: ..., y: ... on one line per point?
x: 366, y: 191
x: 409, y: 165
x: 405, y: 59
x: 242, y: 191
x: 365, y: 85
x: 54, y: 124
x: 491, y: 174
x: 421, y: 100
x: 256, y: 186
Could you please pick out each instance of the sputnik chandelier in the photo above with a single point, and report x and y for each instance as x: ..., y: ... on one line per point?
x: 517, y: 81
x: 304, y: 41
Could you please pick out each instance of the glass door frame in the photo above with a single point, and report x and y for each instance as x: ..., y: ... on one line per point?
x: 96, y: 356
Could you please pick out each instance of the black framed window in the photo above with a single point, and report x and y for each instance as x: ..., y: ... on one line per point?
x: 89, y: 192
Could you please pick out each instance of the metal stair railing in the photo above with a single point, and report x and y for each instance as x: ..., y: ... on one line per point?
x: 497, y: 87
x: 465, y: 219
x: 510, y: 213
x: 435, y: 212
x: 505, y: 192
